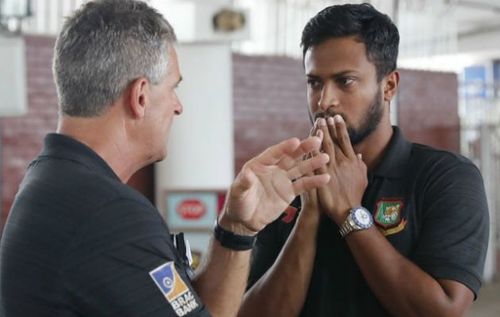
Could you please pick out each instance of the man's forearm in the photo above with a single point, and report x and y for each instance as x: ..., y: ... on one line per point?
x: 401, y: 286
x: 222, y: 280
x: 286, y: 282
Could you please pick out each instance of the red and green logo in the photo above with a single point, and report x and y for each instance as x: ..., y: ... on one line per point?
x: 388, y: 212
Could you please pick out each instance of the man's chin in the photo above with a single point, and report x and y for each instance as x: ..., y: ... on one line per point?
x: 155, y: 158
x: 161, y: 157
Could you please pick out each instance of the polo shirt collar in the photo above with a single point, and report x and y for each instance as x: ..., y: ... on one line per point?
x: 64, y: 147
x: 395, y: 161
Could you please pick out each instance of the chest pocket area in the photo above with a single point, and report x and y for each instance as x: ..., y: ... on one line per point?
x: 392, y: 208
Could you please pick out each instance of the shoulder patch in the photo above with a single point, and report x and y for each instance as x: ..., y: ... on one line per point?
x: 174, y: 289
x: 388, y: 215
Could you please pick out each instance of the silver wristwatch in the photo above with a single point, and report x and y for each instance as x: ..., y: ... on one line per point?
x: 358, y: 219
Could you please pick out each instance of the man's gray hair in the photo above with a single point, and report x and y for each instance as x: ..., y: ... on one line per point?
x: 102, y: 48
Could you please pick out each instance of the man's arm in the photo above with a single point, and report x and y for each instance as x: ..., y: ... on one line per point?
x: 402, y: 287
x: 264, y: 188
x: 286, y: 282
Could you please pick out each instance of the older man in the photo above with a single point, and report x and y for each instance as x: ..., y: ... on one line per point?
x: 78, y: 241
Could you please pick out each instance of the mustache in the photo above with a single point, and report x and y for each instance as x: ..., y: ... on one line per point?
x: 325, y: 114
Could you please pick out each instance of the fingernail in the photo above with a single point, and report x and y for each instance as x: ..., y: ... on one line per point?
x: 327, y: 157
x: 321, y: 122
x: 329, y: 120
x: 338, y: 118
x: 319, y: 134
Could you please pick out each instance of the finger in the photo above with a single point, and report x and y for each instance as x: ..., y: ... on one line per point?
x: 244, y: 180
x: 330, y: 123
x: 343, y: 139
x: 309, y: 195
x: 313, y: 130
x: 327, y: 144
x: 274, y: 154
x: 307, y: 183
x: 308, y: 166
x: 322, y: 169
x: 308, y: 145
x: 288, y: 162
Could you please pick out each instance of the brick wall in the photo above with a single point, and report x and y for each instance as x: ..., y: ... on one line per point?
x: 22, y: 137
x: 269, y: 106
x: 269, y: 103
x: 427, y: 108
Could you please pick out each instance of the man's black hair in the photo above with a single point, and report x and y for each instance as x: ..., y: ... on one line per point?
x: 369, y: 26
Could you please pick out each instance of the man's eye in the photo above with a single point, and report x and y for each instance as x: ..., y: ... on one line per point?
x: 313, y: 83
x: 345, y: 81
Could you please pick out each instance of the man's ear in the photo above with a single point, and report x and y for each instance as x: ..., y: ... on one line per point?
x: 391, y: 83
x: 138, y: 97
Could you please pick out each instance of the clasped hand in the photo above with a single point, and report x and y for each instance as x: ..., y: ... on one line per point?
x: 347, y: 171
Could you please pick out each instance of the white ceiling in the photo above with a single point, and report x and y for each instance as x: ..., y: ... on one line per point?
x: 276, y: 25
x: 477, y: 16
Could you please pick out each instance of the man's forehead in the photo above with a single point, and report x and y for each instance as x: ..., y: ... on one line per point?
x: 173, y: 69
x: 337, y: 55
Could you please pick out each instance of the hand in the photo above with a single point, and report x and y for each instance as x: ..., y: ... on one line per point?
x: 310, y: 204
x: 348, y: 172
x: 268, y: 183
x: 309, y: 199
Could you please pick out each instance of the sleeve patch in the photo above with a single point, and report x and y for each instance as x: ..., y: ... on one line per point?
x: 174, y: 289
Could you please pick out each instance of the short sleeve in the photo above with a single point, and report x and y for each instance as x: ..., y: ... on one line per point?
x: 453, y: 239
x: 123, y: 263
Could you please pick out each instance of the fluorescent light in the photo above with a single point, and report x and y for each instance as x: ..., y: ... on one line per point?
x: 14, y: 8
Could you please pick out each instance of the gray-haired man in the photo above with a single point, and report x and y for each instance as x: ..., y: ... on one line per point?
x: 78, y: 242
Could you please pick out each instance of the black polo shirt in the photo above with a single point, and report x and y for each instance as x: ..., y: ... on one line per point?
x: 78, y: 242
x: 431, y: 206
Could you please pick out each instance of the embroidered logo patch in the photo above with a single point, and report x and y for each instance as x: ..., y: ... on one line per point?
x: 388, y: 216
x: 290, y: 213
x: 174, y: 289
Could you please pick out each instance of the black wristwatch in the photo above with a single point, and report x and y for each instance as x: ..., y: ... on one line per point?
x: 233, y: 241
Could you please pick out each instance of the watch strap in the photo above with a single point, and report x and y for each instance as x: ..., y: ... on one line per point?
x: 346, y: 226
x: 233, y: 241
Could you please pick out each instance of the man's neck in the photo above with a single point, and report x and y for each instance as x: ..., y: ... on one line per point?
x: 101, y: 135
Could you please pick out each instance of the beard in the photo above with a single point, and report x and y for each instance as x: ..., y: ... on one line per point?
x: 370, y: 122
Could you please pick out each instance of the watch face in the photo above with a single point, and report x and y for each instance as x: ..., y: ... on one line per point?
x: 362, y: 218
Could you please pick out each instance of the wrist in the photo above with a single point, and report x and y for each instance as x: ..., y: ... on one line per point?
x: 236, y: 227
x: 340, y: 218
x: 232, y: 240
x: 309, y: 213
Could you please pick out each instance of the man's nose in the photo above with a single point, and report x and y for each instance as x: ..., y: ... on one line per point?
x: 178, y: 106
x: 328, y: 97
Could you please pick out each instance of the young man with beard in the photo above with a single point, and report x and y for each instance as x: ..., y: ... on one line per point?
x: 401, y: 229
x: 78, y: 241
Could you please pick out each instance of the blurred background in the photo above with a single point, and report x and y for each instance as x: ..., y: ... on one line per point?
x: 244, y: 89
